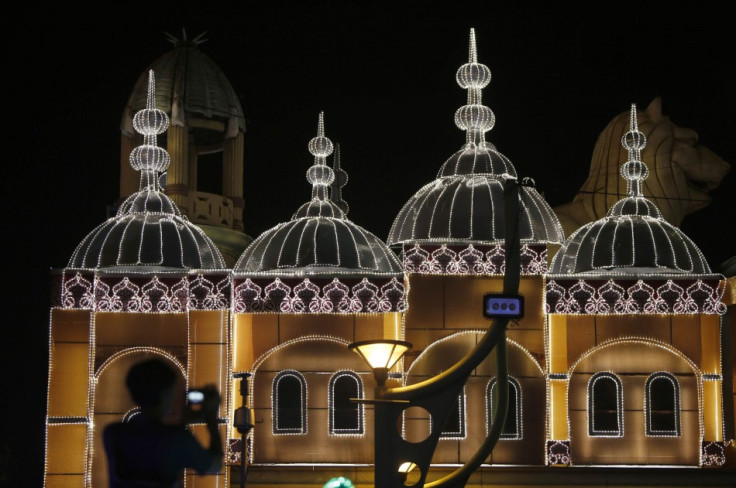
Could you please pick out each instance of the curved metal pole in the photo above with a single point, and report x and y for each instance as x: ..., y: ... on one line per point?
x: 438, y: 394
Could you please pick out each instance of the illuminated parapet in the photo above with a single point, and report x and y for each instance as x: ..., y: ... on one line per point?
x: 634, y: 336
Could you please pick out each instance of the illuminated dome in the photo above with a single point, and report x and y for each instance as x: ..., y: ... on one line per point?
x: 148, y: 231
x: 632, y: 238
x: 319, y: 239
x: 189, y: 85
x: 465, y: 202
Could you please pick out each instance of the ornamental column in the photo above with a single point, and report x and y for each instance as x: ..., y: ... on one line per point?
x: 232, y: 176
x: 177, y: 176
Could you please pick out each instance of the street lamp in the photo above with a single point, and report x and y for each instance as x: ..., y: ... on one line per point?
x: 381, y: 355
x: 395, y: 457
x: 243, y: 420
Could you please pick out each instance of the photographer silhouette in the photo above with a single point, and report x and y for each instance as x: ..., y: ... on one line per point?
x: 146, y: 452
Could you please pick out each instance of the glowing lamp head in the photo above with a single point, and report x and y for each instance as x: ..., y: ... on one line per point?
x: 381, y: 355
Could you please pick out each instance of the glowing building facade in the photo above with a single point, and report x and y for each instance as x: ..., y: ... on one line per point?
x: 618, y: 359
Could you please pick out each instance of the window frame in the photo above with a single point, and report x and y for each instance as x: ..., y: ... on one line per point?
x: 650, y: 432
x: 592, y: 431
x: 515, y: 390
x: 275, y: 404
x: 462, y: 433
x: 360, y: 428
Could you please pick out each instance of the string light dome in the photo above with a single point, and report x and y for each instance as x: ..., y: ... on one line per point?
x: 148, y: 231
x: 465, y: 202
x: 319, y: 239
x: 633, y: 238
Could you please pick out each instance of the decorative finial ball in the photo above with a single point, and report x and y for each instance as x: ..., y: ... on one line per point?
x: 320, y: 146
x: 149, y: 158
x: 634, y: 170
x: 150, y: 121
x: 473, y: 75
x: 320, y: 174
x: 475, y: 117
x: 635, y: 140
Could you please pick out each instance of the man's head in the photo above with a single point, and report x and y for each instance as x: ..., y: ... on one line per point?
x: 150, y: 382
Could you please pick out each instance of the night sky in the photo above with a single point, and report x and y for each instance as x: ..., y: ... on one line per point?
x: 383, y: 73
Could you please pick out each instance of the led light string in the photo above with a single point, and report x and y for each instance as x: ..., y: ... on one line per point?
x: 276, y: 296
x: 650, y: 431
x: 656, y: 343
x: 573, y: 295
x: 470, y: 259
x: 465, y: 202
x: 593, y: 431
x: 275, y: 404
x: 148, y: 229
x: 515, y: 392
x: 358, y: 431
x: 633, y: 234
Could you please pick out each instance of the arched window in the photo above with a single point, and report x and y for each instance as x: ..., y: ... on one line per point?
x: 289, y: 403
x: 346, y: 416
x: 662, y: 405
x: 454, y: 427
x: 512, y: 428
x: 605, y: 406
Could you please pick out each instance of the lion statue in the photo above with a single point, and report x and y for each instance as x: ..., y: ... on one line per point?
x: 681, y: 172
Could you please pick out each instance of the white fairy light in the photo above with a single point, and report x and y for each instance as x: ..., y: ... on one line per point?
x: 148, y: 230
x: 619, y: 294
x: 465, y: 203
x: 650, y: 431
x: 318, y: 243
x: 633, y: 238
x: 594, y: 431
x: 359, y: 429
x: 275, y: 404
x: 516, y: 392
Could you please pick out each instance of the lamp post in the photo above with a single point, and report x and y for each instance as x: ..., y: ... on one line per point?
x: 243, y: 420
x: 394, y: 456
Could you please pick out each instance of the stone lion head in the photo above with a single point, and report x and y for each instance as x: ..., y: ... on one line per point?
x: 681, y: 171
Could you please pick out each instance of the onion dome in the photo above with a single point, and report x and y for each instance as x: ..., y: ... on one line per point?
x: 633, y: 237
x: 148, y: 231
x: 319, y: 239
x: 465, y: 202
x: 189, y: 85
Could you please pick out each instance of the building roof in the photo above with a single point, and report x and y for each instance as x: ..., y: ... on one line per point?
x: 319, y: 240
x: 465, y: 202
x: 189, y: 85
x: 633, y: 238
x: 148, y: 232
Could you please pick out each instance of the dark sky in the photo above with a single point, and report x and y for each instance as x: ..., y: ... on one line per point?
x: 383, y: 72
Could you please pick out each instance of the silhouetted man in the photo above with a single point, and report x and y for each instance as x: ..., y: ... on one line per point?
x: 145, y: 452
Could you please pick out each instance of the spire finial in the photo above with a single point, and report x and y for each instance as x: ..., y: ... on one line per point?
x: 148, y: 158
x: 341, y: 179
x: 474, y: 117
x: 634, y: 171
x: 319, y: 174
x: 473, y: 55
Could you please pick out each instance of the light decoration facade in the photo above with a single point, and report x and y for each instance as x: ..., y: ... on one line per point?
x: 464, y: 204
x: 129, y: 291
x: 632, y: 263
